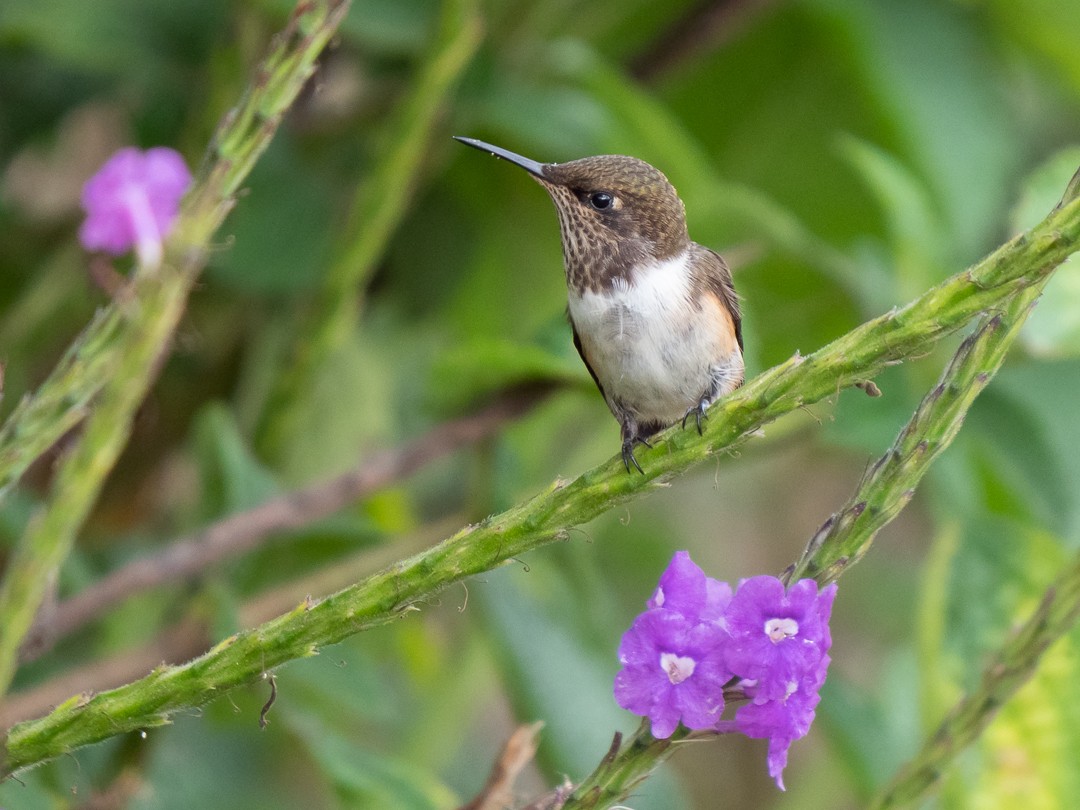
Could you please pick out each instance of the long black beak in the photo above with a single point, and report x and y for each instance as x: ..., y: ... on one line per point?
x: 531, y: 166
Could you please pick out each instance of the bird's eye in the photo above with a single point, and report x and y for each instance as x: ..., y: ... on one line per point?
x: 601, y: 200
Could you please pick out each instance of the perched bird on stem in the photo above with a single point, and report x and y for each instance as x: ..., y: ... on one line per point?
x: 655, y: 315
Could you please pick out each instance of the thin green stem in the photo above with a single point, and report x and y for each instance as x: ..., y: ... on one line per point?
x: 393, y: 592
x: 61, y: 402
x: 49, y: 535
x: 625, y: 767
x: 116, y: 357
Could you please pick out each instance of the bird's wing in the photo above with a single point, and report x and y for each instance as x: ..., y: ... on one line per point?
x: 584, y: 359
x: 718, y: 276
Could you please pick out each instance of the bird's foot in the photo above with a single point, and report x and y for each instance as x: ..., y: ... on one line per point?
x: 628, y: 452
x: 699, y: 413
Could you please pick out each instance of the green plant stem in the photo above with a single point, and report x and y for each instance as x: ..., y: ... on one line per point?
x: 49, y: 535
x: 62, y: 401
x: 117, y: 355
x: 1011, y: 667
x: 393, y: 592
x: 625, y: 767
x: 380, y: 203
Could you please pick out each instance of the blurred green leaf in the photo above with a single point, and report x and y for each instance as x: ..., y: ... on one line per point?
x: 556, y: 677
x: 1046, y: 27
x: 1021, y: 456
x: 546, y: 116
x: 390, y: 26
x: 999, y: 567
x: 232, y: 479
x: 853, y: 719
x: 53, y: 787
x: 918, y: 244
x: 14, y: 512
x: 363, y: 778
x: 346, y: 685
x: 480, y: 367
x: 1028, y: 752
x: 347, y: 406
x: 385, y: 27
x: 868, y: 425
x: 31, y: 795
x: 198, y: 762
x: 936, y: 83
x: 939, y: 678
x: 108, y: 36
x: 281, y: 236
x: 768, y: 108
x: 1047, y: 391
x: 497, y: 269
x: 1054, y: 327
x: 303, y: 551
x: 555, y: 673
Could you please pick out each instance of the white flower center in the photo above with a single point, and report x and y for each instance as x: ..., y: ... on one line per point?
x: 779, y: 629
x: 147, y: 236
x: 677, y: 667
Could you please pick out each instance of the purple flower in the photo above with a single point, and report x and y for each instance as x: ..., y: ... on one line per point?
x: 696, y: 637
x: 782, y: 721
x: 133, y: 200
x: 779, y: 645
x: 777, y: 637
x: 685, y: 589
x: 673, y: 670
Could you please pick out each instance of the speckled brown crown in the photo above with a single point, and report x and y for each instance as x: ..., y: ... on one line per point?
x: 648, y: 223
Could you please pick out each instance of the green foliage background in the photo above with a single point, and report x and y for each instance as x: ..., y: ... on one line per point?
x: 377, y: 278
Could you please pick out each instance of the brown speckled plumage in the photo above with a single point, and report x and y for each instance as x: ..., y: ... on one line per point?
x: 598, y: 246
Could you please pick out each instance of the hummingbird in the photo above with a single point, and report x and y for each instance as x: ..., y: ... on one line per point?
x: 655, y: 316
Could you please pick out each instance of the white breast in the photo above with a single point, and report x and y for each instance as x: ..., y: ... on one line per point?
x: 654, y: 352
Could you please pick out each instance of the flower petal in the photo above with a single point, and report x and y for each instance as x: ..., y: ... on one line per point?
x: 133, y: 200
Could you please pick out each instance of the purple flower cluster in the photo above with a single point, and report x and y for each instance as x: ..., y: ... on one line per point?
x: 696, y: 637
x: 133, y: 201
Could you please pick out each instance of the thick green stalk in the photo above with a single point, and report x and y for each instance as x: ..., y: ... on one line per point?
x: 1007, y: 671
x: 393, y: 592
x: 381, y: 202
x: 117, y: 355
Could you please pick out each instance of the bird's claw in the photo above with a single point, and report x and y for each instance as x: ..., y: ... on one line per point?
x: 628, y: 454
x: 699, y: 413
